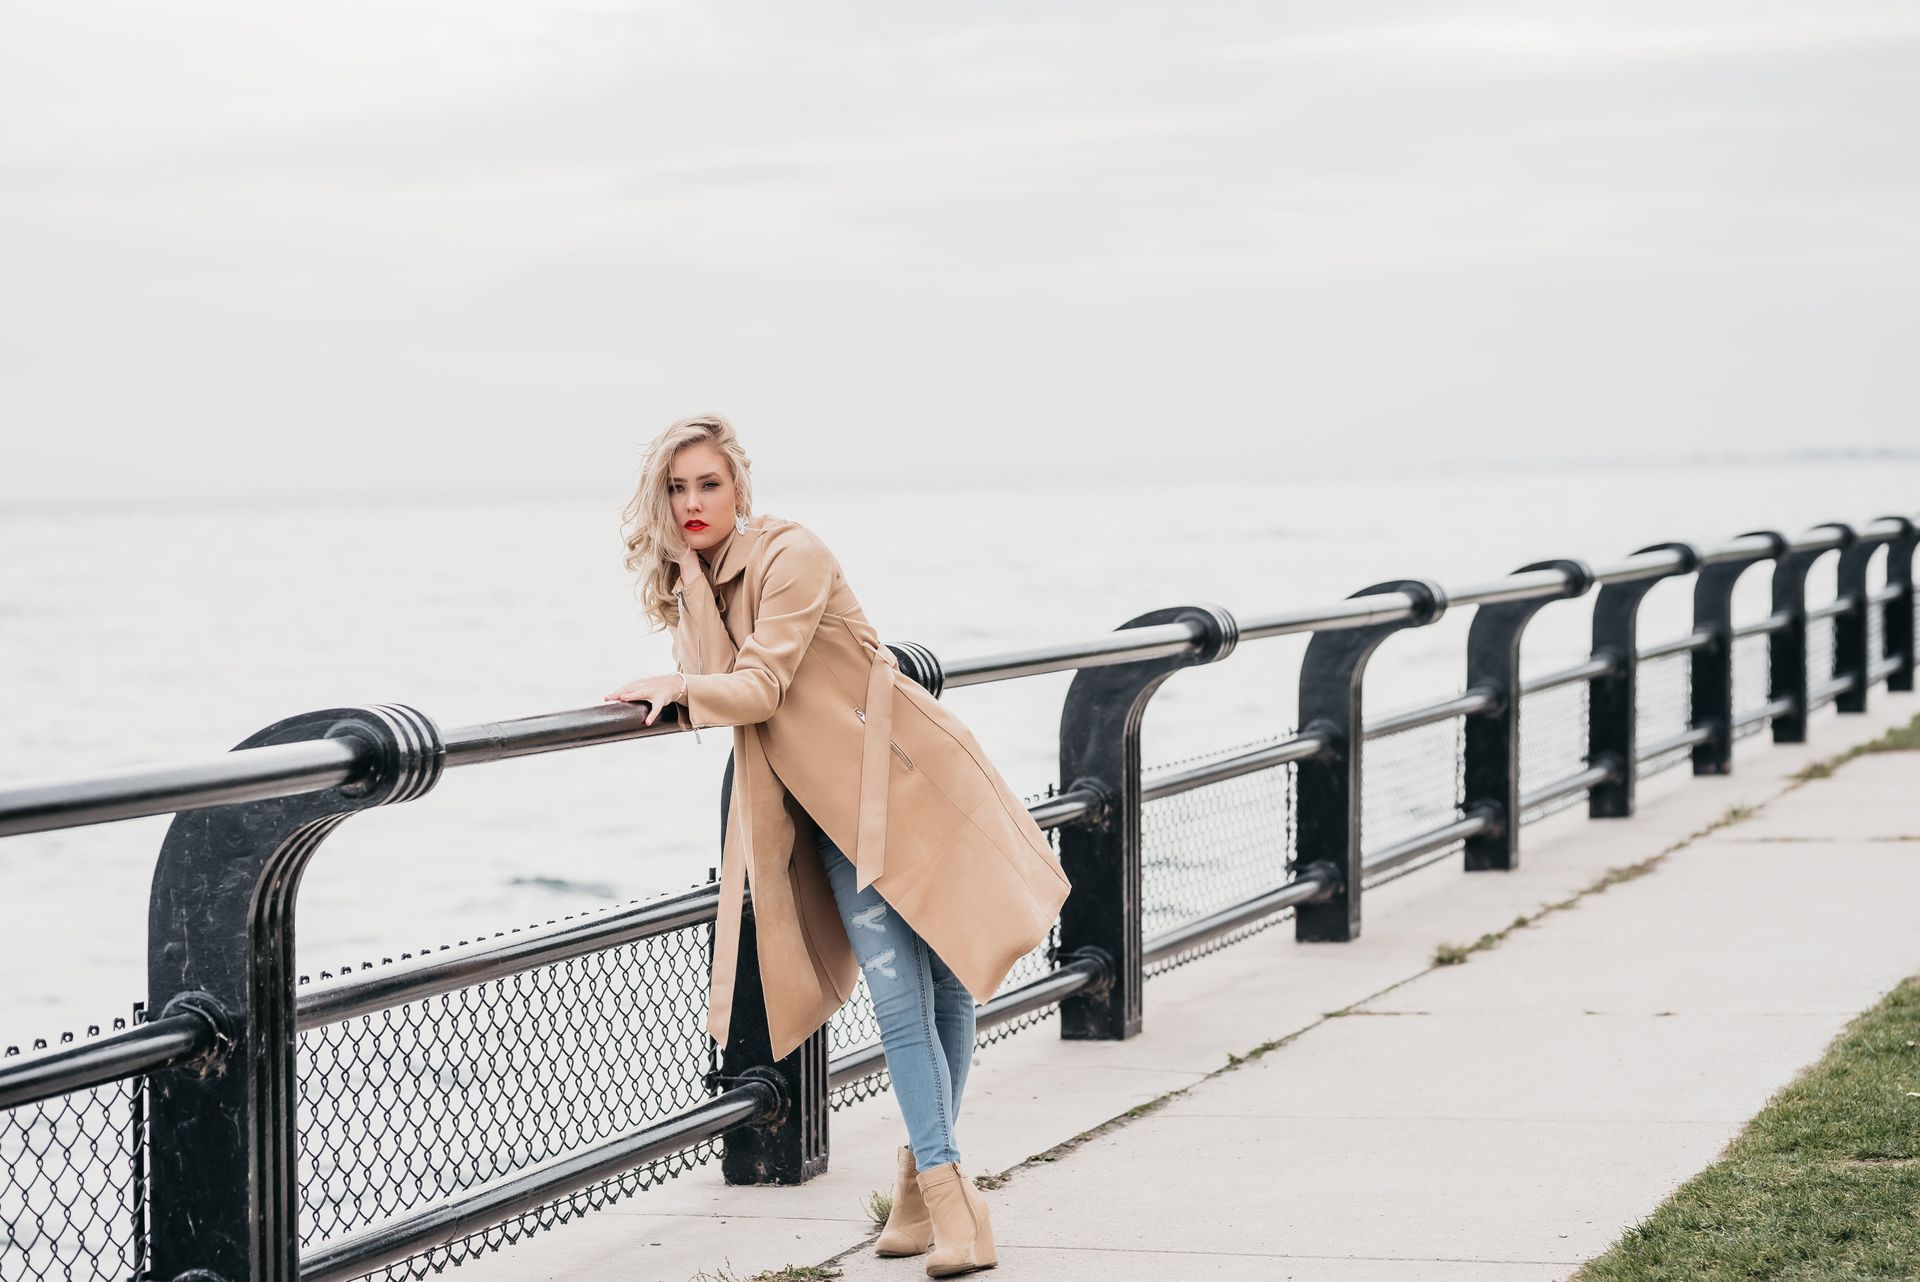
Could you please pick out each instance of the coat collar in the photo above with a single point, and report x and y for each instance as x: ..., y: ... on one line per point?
x: 729, y: 560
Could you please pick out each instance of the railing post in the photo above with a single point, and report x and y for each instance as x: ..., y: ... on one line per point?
x: 1787, y: 648
x: 1491, y: 777
x: 1850, y: 630
x: 791, y: 1147
x: 1327, y: 786
x: 1613, y: 700
x: 1897, y: 622
x: 1713, y: 692
x: 1100, y: 752
x: 224, y: 1157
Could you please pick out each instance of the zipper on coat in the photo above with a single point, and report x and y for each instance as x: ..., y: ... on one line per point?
x: 682, y: 598
x: 901, y: 752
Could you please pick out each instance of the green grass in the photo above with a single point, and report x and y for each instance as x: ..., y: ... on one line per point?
x: 1823, y: 1185
x: 1899, y: 739
x: 790, y: 1273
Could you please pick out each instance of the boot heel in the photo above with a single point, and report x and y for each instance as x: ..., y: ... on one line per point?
x: 962, y: 1230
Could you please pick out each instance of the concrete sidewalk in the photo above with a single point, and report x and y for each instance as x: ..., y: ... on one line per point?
x: 1500, y: 1119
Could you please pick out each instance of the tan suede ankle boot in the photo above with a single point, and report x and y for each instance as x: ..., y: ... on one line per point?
x: 962, y: 1233
x: 909, y: 1228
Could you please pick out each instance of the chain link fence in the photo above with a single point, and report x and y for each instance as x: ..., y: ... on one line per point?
x: 1663, y: 708
x: 1553, y: 744
x: 1820, y: 650
x: 1752, y: 669
x: 1211, y: 847
x: 1411, y: 782
x: 72, y: 1180
x: 414, y: 1104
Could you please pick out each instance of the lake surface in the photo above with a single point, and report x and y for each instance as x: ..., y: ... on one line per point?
x: 168, y: 633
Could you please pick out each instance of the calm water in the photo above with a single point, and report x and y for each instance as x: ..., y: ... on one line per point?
x: 165, y: 634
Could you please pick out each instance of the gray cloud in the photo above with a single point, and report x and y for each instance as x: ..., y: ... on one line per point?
x: 387, y: 247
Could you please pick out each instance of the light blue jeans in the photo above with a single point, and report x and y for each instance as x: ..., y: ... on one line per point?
x: 926, y: 1014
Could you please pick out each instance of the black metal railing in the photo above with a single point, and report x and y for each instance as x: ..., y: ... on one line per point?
x: 399, y: 1116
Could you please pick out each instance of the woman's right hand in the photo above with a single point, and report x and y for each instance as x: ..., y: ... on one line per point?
x: 687, y: 559
x: 658, y: 691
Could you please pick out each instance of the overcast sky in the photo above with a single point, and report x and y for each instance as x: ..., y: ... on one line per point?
x: 475, y: 246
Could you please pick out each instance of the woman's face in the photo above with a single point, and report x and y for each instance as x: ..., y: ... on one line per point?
x: 701, y: 486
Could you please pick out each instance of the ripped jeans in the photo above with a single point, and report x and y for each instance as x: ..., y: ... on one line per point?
x: 926, y: 1014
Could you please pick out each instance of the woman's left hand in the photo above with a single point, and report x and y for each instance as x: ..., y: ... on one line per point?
x: 657, y: 691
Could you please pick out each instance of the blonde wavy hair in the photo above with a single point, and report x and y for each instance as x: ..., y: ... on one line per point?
x: 652, y: 536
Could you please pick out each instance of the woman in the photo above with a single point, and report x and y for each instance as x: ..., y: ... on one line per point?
x: 948, y: 881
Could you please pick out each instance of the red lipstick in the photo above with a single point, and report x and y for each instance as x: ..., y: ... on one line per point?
x: 696, y: 524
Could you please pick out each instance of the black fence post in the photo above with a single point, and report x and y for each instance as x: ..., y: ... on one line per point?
x: 1100, y: 752
x: 224, y: 1157
x: 1327, y: 785
x: 1897, y: 622
x: 1713, y: 692
x: 1787, y: 647
x: 792, y: 1146
x: 1613, y: 700
x: 1491, y: 774
x: 1850, y: 627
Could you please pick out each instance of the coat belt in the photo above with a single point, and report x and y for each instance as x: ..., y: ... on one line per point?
x: 870, y: 851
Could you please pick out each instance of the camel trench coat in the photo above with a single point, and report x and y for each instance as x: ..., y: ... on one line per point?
x: 827, y: 730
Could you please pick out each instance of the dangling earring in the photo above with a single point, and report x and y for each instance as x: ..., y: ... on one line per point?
x: 740, y: 522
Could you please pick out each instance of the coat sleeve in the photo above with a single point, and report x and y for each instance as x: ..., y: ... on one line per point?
x: 682, y: 661
x: 795, y: 587
x: 700, y: 640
